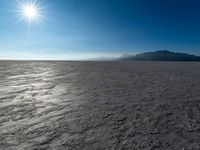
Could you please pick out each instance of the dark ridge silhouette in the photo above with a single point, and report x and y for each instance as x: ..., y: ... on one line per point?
x: 162, y: 55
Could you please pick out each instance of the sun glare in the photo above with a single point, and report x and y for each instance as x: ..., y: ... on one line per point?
x: 30, y: 11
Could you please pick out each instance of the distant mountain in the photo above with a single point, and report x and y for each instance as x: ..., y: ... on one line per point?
x: 163, y: 55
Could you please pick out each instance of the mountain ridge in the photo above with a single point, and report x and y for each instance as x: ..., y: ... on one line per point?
x: 161, y: 55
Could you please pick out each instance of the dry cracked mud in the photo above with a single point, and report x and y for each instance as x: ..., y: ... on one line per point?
x: 99, y: 105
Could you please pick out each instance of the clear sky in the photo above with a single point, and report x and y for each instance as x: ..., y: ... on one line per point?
x: 82, y: 29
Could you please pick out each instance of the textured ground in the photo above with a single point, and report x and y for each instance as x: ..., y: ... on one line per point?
x: 99, y: 105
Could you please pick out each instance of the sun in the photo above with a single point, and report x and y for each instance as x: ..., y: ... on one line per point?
x: 30, y: 11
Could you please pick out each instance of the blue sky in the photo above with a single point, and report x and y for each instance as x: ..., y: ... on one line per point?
x: 82, y: 29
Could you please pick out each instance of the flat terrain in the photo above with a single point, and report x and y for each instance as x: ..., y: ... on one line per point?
x: 99, y: 105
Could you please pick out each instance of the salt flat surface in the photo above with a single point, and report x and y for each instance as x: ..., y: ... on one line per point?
x: 99, y: 105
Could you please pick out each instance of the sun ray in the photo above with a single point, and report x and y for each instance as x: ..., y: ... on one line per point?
x: 30, y: 11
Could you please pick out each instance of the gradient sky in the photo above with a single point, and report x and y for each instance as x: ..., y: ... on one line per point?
x: 82, y: 29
